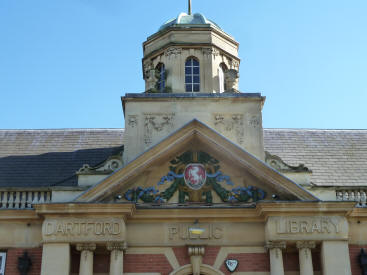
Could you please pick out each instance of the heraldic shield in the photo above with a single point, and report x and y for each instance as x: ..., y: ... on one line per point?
x: 195, y: 176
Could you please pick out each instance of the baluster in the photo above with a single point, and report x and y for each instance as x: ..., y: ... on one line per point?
x: 3, y: 197
x: 48, y: 196
x: 28, y: 203
x: 23, y: 199
x: 17, y: 200
x: 42, y: 197
x: 358, y: 197
x: 339, y: 195
x: 345, y: 196
x: 35, y: 197
x: 363, y: 198
x: 11, y: 200
x: 351, y: 195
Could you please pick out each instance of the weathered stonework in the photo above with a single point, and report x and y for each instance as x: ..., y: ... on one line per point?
x: 232, y: 123
x: 156, y: 124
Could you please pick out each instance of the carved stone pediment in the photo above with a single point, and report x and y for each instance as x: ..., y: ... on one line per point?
x: 278, y: 164
x: 158, y: 176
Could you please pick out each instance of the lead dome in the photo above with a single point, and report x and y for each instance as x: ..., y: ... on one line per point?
x: 191, y: 20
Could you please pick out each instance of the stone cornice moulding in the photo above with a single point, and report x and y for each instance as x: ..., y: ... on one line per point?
x: 86, y: 210
x: 188, y: 46
x: 195, y: 130
x: 166, y: 32
x: 260, y: 213
x: 18, y: 215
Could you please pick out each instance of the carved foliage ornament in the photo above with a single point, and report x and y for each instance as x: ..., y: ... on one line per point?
x: 173, y: 51
x: 230, y: 123
x: 210, y: 52
x: 195, y: 175
x: 155, y: 123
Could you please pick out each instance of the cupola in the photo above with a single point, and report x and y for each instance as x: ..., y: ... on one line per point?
x: 190, y: 53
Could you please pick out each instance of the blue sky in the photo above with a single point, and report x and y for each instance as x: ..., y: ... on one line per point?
x: 65, y: 63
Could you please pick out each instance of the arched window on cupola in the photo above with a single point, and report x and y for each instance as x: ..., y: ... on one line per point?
x: 192, y: 75
x: 222, y: 82
x: 161, y: 76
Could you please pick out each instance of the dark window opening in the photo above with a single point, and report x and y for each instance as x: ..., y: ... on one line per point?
x: 192, y: 75
x: 161, y: 75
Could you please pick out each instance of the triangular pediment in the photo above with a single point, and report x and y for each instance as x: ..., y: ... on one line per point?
x: 195, y: 164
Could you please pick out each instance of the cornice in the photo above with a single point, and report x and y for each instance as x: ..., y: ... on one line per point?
x: 245, y: 213
x: 18, y: 215
x: 159, y: 34
x: 187, y: 45
x: 125, y: 209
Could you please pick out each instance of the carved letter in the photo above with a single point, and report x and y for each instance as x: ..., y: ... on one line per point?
x: 172, y: 231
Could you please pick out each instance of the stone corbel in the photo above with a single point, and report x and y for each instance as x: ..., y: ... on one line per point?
x: 196, y: 254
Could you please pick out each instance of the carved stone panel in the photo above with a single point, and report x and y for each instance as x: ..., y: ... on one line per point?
x: 156, y: 126
x: 307, y: 228
x: 230, y: 124
x: 80, y: 230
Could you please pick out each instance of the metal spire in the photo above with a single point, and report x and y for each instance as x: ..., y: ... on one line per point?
x: 189, y: 7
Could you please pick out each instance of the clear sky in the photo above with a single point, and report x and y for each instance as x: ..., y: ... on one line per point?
x: 65, y: 63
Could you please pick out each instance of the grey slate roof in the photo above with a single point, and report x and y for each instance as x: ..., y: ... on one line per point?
x: 51, y: 157
x: 336, y: 157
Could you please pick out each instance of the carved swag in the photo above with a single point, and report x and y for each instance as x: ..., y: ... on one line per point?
x: 195, y: 175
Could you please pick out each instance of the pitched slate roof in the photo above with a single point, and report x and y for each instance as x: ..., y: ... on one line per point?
x: 336, y: 157
x: 51, y: 157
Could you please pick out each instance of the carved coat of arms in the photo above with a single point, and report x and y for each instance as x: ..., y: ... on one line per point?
x: 195, y: 176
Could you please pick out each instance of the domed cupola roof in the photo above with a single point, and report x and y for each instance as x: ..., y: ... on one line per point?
x: 185, y: 20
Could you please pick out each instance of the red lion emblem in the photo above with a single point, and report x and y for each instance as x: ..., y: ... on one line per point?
x: 195, y: 176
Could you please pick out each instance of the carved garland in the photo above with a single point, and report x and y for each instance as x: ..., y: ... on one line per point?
x: 195, y: 175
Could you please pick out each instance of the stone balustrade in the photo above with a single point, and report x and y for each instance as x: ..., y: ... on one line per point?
x: 23, y: 199
x: 358, y: 195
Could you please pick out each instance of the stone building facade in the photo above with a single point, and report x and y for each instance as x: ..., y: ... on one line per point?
x: 192, y: 185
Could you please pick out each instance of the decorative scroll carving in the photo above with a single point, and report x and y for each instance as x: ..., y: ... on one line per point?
x: 210, y: 52
x: 86, y: 246
x: 132, y: 120
x: 278, y: 164
x: 173, y: 51
x: 154, y: 124
x: 230, y: 123
x: 277, y: 245
x: 110, y: 165
x: 117, y: 246
x: 305, y: 244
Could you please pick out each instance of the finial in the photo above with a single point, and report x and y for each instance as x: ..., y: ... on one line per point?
x: 189, y: 7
